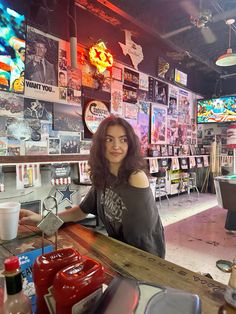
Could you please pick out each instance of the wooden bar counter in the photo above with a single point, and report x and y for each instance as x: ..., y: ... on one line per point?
x: 120, y: 258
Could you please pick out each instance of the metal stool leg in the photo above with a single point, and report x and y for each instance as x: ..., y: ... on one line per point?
x: 161, y: 189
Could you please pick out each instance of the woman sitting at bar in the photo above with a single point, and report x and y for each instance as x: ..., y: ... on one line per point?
x: 120, y: 194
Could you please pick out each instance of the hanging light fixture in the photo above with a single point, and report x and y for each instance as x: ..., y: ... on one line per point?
x: 229, y: 58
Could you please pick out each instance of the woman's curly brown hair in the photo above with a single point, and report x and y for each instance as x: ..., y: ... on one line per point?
x: 99, y: 166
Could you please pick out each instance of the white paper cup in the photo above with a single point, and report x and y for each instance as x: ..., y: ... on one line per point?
x: 9, y: 219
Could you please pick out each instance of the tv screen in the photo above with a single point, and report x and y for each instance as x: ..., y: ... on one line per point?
x: 216, y: 110
x: 12, y: 49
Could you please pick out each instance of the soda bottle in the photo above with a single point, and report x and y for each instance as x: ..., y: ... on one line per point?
x: 17, y: 302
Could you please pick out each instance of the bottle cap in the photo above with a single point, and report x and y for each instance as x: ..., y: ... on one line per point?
x: 12, y: 263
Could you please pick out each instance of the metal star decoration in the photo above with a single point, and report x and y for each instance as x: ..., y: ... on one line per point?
x: 66, y: 194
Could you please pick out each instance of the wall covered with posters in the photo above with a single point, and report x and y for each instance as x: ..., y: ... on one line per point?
x: 44, y: 115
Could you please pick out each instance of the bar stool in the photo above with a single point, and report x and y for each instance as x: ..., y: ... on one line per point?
x: 161, y: 189
x: 192, y: 182
x: 183, y: 182
x: 188, y: 182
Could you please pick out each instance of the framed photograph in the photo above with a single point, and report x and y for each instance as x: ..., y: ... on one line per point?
x: 158, y: 91
x: 192, y: 162
x: 37, y: 109
x: 158, y: 124
x: 164, y: 151
x: 176, y: 150
x: 174, y: 163
x: 70, y: 144
x: 85, y: 146
x: 33, y: 148
x: 84, y: 176
x: 153, y: 165
x: 131, y: 111
x: 199, y: 162
x: 116, y: 73
x: 170, y: 150
x: 163, y: 163
x: 154, y: 151
x: 197, y: 150
x: 54, y: 146
x: 67, y: 117
x: 130, y: 94
x: 192, y: 150
x: 185, y: 150
x: 183, y: 161
x: 131, y: 78
x: 203, y: 151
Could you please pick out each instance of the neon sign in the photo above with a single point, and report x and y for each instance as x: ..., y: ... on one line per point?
x: 100, y: 57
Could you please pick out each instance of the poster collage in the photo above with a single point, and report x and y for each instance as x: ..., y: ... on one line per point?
x: 161, y: 114
x: 47, y: 118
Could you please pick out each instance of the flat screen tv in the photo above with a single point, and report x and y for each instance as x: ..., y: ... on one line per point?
x: 12, y: 49
x: 216, y: 110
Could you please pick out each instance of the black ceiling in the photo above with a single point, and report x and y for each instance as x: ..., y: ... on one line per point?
x: 175, y: 23
x: 179, y: 22
x: 194, y: 30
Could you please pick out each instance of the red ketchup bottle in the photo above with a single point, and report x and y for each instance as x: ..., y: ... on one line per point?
x: 44, y: 270
x: 77, y: 287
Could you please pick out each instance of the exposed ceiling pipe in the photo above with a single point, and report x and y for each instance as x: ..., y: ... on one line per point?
x: 225, y: 76
x: 73, y: 33
x: 154, y: 32
x: 219, y: 9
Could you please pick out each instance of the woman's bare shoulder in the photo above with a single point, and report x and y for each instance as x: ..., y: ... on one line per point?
x: 139, y: 179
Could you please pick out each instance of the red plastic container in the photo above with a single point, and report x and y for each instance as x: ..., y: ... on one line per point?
x: 44, y: 270
x: 76, y: 282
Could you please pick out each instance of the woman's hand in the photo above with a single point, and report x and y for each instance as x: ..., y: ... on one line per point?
x: 27, y: 217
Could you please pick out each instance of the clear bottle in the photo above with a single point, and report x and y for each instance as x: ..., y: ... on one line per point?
x: 16, y: 302
x: 25, y: 178
x: 230, y: 295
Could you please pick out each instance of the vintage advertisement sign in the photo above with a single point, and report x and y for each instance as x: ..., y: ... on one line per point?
x: 95, y: 112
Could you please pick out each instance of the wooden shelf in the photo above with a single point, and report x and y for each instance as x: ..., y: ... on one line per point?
x: 44, y: 159
x: 181, y: 156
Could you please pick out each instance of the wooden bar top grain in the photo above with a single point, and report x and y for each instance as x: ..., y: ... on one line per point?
x: 135, y: 263
x: 120, y: 258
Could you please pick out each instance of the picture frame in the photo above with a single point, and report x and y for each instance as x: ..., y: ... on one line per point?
x: 83, y: 168
x: 170, y: 150
x: 183, y: 162
x: 131, y: 78
x: 158, y: 124
x: 192, y: 150
x: 203, y: 151
x: 174, y: 163
x: 199, y: 162
x: 70, y: 144
x: 116, y: 73
x: 54, y: 146
x: 176, y: 150
x: 164, y: 151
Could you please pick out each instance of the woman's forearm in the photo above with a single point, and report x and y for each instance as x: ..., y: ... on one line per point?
x: 72, y: 214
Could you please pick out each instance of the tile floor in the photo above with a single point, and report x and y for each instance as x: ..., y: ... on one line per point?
x: 193, y: 240
x: 195, y: 234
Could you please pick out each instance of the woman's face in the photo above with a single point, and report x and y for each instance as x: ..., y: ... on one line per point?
x: 116, y: 145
